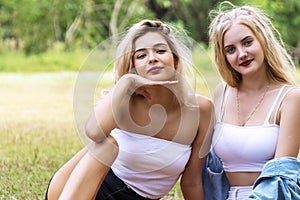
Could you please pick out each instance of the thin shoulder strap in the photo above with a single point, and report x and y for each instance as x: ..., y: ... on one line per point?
x: 273, y: 105
x: 224, y: 100
x: 280, y: 102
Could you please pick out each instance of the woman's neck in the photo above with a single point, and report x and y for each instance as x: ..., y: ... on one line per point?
x: 163, y: 96
x: 254, y: 84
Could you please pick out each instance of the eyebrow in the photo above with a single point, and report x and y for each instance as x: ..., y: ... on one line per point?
x: 155, y: 45
x: 243, y: 39
x: 247, y: 37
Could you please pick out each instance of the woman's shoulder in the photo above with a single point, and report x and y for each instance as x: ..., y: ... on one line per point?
x: 290, y: 103
x: 292, y: 97
x: 204, y: 103
x: 219, y: 89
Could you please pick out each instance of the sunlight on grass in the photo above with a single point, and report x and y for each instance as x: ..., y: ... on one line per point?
x: 51, y: 61
x: 36, y: 132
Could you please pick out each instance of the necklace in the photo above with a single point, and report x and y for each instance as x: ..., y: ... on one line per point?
x: 255, y: 108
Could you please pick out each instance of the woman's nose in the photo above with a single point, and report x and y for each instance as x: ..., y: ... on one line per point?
x: 242, y: 53
x: 152, y: 57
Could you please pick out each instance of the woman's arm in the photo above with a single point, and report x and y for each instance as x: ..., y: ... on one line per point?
x: 112, y: 107
x: 103, y: 119
x: 279, y: 180
x: 191, y: 180
x: 109, y: 109
x: 289, y: 136
x: 283, y: 183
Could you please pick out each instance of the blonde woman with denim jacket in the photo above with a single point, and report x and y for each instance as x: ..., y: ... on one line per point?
x: 257, y: 134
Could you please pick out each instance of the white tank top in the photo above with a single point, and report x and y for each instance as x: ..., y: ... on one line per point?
x: 247, y: 148
x: 150, y: 166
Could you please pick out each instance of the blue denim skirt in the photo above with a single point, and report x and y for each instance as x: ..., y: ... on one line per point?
x: 114, y: 188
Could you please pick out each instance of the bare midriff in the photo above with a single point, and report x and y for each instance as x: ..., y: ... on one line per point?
x: 242, y: 178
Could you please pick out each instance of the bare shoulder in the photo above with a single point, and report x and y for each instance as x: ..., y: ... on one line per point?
x: 205, y: 104
x: 295, y: 92
x: 289, y: 137
x: 292, y: 98
x: 206, y: 125
x: 219, y: 89
x: 290, y: 108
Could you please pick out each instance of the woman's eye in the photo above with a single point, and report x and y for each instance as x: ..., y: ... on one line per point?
x: 140, y: 56
x: 248, y: 42
x: 230, y: 50
x: 161, y: 51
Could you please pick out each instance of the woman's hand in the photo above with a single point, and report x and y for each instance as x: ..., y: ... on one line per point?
x: 139, y: 84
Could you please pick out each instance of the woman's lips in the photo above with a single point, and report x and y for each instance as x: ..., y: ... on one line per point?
x: 154, y: 70
x: 246, y: 63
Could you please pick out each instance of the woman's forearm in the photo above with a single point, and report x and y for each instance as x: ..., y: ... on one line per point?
x: 104, y: 116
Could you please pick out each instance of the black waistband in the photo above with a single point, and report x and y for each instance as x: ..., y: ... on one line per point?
x: 113, y: 188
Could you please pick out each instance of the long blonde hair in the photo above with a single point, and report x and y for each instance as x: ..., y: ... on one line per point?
x: 279, y: 62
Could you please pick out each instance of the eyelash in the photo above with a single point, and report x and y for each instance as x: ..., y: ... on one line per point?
x: 159, y: 51
x: 246, y: 43
x: 140, y: 56
x: 230, y: 50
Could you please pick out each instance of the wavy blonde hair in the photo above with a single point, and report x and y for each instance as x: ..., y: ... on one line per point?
x: 279, y: 63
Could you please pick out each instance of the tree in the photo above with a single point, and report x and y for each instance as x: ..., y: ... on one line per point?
x: 190, y: 14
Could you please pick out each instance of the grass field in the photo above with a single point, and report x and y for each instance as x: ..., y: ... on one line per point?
x: 37, y: 131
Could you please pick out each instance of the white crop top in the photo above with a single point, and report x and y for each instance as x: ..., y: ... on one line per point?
x: 246, y: 148
x: 150, y: 166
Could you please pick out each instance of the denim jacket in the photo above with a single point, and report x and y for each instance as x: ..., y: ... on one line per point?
x: 214, y: 180
x: 279, y: 179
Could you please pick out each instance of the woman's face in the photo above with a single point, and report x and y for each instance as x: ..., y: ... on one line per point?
x: 153, y: 58
x: 243, y: 50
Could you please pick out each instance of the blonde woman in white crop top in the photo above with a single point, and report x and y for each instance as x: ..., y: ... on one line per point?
x: 146, y: 131
x: 258, y: 106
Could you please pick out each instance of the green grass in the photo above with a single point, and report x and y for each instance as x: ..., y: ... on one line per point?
x: 52, y: 61
x: 37, y: 132
x: 57, y: 59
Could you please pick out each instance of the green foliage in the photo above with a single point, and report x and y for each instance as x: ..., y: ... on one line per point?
x: 287, y: 19
x: 284, y: 15
x: 39, y: 24
x: 192, y: 14
x: 36, y: 25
